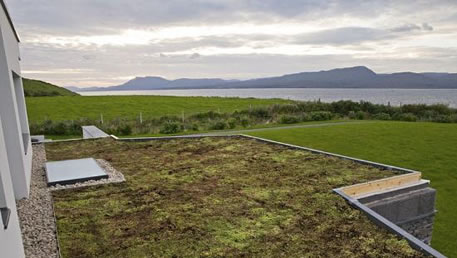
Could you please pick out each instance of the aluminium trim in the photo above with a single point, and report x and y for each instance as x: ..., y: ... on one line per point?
x: 381, y: 221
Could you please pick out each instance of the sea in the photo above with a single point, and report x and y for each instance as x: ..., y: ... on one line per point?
x: 395, y: 97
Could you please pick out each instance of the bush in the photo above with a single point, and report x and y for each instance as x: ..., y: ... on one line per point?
x: 360, y: 115
x: 382, y: 116
x: 442, y: 119
x: 408, y: 117
x: 125, y: 129
x: 219, y: 125
x: 194, y: 127
x: 231, y: 123
x: 306, y: 117
x: 210, y: 115
x: 453, y: 118
x: 321, y: 116
x: 170, y: 127
x: 287, y: 119
x: 244, y: 122
x: 285, y: 108
x: 167, y: 119
x: 260, y: 112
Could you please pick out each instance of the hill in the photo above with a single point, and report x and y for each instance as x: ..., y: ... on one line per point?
x: 351, y: 77
x: 35, y: 88
x: 157, y: 83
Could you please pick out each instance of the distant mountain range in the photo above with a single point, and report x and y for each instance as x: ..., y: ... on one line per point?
x: 352, y: 77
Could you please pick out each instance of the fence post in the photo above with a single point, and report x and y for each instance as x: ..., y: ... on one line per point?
x: 141, y: 117
x: 101, y: 118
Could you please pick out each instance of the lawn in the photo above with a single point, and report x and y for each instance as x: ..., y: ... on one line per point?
x: 428, y: 147
x: 130, y: 107
x: 217, y: 197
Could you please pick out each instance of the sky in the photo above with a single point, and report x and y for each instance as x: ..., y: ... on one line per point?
x: 107, y: 42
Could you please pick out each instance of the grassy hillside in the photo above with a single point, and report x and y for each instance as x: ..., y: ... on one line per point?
x: 427, y: 147
x: 129, y: 107
x: 35, y: 88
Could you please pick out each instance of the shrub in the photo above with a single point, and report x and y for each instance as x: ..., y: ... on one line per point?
x: 231, y: 123
x: 453, y: 118
x: 285, y: 108
x: 442, y: 119
x: 165, y: 119
x: 219, y: 125
x: 360, y: 115
x: 321, y: 115
x: 287, y: 119
x: 382, y: 116
x: 125, y: 129
x: 244, y: 122
x: 305, y: 117
x: 408, y: 117
x: 194, y: 127
x: 210, y: 115
x: 170, y: 127
x: 352, y: 115
x: 260, y: 112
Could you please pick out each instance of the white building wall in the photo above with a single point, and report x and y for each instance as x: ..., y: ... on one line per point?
x: 13, y: 110
x: 10, y: 238
x: 15, y: 143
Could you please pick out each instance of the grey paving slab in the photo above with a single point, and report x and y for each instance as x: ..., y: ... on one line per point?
x: 73, y: 171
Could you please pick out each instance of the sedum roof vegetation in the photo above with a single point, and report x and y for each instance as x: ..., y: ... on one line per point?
x: 217, y: 197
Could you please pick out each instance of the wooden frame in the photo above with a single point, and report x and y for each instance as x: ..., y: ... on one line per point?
x: 382, y: 184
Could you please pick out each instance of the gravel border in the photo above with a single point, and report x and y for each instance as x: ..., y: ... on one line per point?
x: 36, y: 213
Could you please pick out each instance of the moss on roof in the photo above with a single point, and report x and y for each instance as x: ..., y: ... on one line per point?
x: 217, y: 197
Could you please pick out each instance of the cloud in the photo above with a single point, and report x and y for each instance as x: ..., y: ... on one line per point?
x: 107, y: 40
x: 194, y: 56
x: 427, y: 27
x: 342, y: 36
x: 412, y: 27
x: 406, y: 28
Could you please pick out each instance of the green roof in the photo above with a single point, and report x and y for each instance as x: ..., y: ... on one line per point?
x: 217, y: 197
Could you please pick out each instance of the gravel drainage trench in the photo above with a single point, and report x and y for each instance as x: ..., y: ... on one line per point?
x: 36, y: 214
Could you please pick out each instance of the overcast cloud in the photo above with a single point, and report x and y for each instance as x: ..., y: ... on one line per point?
x: 106, y: 42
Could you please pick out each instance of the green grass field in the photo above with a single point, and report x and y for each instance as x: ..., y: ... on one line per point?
x: 69, y: 108
x: 428, y: 147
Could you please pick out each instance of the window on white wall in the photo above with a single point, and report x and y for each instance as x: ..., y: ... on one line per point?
x: 20, y: 102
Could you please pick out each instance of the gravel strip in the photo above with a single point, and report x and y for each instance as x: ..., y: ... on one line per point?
x: 36, y: 214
